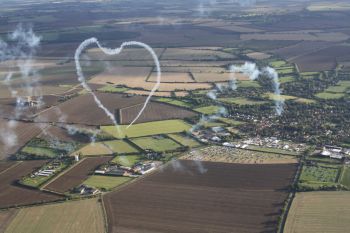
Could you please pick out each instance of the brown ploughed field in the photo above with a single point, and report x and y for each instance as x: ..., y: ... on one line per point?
x: 12, y: 194
x: 192, y: 197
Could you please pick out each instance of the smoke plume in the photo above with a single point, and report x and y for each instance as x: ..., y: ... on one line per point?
x: 115, y: 51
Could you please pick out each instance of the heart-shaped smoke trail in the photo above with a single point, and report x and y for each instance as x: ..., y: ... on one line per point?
x: 116, y: 51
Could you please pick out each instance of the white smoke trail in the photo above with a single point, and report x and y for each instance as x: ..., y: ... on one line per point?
x: 279, y: 100
x: 116, y: 51
x: 251, y: 70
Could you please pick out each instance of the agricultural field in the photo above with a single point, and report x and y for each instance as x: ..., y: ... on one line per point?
x: 106, y: 183
x: 147, y: 129
x: 94, y: 149
x: 208, y: 110
x: 76, y: 174
x: 127, y: 160
x: 345, y: 177
x: 239, y: 156
x: 155, y: 111
x: 256, y: 191
x: 156, y: 143
x: 72, y: 216
x: 318, y: 176
x: 6, y: 218
x: 319, y: 212
x: 121, y: 147
x: 172, y: 77
x: 184, y: 140
x: 15, y: 195
x: 175, y: 102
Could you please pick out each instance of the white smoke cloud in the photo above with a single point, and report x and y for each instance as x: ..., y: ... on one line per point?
x: 252, y: 70
x: 116, y: 51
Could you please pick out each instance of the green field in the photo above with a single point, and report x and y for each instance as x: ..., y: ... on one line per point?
x: 40, y: 151
x: 158, y: 144
x: 127, y: 160
x: 147, y: 129
x: 106, y: 182
x: 329, y: 95
x: 287, y: 79
x: 277, y: 64
x: 240, y: 101
x: 184, y: 140
x: 248, y: 84
x: 121, y: 147
x: 208, y: 110
x: 113, y: 89
x: 345, y: 178
x: 319, y: 175
x: 231, y: 121
x: 94, y: 149
x: 175, y: 102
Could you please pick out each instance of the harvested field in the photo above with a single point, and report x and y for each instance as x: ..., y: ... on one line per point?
x: 192, y: 197
x: 209, y: 68
x: 121, y: 75
x: 195, y: 54
x: 324, y: 59
x: 73, y: 217
x: 298, y: 36
x: 172, y: 77
x: 83, y: 109
x: 6, y: 218
x: 319, y: 212
x: 258, y: 55
x: 18, y: 134
x: 218, y: 77
x: 76, y: 175
x: 155, y: 111
x: 158, y: 93
x: 95, y: 149
x: 126, y: 55
x: 231, y: 155
x: 146, y: 129
x: 12, y: 195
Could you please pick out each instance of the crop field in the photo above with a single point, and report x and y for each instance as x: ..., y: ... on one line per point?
x: 175, y: 102
x: 83, y: 109
x: 74, y: 216
x: 154, y: 111
x: 329, y: 95
x: 127, y: 160
x: 6, y: 218
x: 196, y: 196
x: 218, y: 77
x: 113, y: 89
x: 172, y: 77
x: 95, y: 149
x: 14, y: 195
x: 188, y: 54
x: 76, y: 175
x: 39, y: 151
x: 239, y: 156
x: 345, y: 177
x: 24, y: 133
x: 121, y: 147
x: 5, y: 165
x: 184, y: 140
x: 319, y: 212
x: 208, y: 110
x: 319, y: 175
x: 156, y: 143
x: 146, y: 129
x: 106, y: 182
